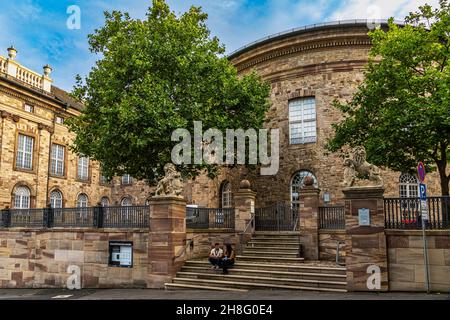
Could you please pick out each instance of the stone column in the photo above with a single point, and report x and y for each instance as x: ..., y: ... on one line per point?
x: 309, y: 221
x: 244, y: 203
x: 365, y: 244
x: 167, y: 236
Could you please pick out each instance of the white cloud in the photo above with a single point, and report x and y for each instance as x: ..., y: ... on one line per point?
x: 382, y: 9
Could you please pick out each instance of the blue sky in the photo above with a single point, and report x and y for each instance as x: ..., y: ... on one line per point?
x: 37, y: 28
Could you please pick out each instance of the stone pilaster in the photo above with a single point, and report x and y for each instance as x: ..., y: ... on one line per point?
x: 167, y: 237
x: 244, y: 203
x: 309, y: 222
x: 365, y: 245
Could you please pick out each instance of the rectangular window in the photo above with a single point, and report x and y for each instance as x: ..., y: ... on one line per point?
x: 127, y: 179
x: 24, y: 159
x: 29, y: 108
x: 57, y: 163
x: 59, y: 120
x: 83, y: 168
x: 302, y: 120
x: 121, y: 254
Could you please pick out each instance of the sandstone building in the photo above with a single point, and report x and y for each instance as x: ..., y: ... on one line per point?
x: 307, y: 69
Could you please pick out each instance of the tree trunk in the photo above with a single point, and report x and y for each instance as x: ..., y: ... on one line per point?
x: 442, y: 168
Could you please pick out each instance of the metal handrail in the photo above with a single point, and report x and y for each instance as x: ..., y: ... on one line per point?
x: 339, y: 242
x: 241, y: 234
x: 183, y: 250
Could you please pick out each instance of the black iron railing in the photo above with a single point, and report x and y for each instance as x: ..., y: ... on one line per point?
x: 210, y: 218
x: 125, y: 217
x: 332, y: 218
x: 280, y: 216
x: 404, y: 213
x: 86, y: 217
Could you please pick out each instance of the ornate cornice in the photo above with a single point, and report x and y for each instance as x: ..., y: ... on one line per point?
x: 272, y: 54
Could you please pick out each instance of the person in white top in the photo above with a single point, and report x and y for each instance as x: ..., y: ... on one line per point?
x: 215, y: 256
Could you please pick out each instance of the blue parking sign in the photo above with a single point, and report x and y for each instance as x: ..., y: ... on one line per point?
x: 423, y: 191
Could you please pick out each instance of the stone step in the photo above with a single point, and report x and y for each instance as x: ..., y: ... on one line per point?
x: 269, y: 259
x: 275, y: 233
x: 270, y: 273
x: 267, y: 253
x: 267, y: 280
x: 249, y: 285
x: 276, y: 240
x: 254, y: 243
x: 297, y: 267
x: 177, y: 286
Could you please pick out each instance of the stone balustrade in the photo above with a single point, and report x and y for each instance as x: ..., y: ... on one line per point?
x: 29, y: 77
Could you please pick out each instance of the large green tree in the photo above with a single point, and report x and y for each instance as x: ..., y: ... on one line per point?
x: 153, y: 76
x: 401, y: 111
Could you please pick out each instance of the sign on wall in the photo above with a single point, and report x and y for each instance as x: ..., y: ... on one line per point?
x: 364, y: 217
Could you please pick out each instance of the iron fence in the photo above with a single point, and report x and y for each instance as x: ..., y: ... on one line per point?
x: 210, y: 218
x: 84, y: 217
x: 332, y: 218
x: 280, y: 216
x: 404, y: 213
x: 125, y: 217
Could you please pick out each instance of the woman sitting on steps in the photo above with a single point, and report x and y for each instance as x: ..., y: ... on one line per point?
x: 228, y: 259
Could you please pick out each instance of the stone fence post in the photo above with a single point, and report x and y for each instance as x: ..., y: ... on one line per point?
x: 309, y: 221
x: 167, y: 236
x: 365, y: 240
x: 244, y: 203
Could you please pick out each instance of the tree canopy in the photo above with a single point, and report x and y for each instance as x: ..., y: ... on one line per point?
x: 401, y: 111
x: 153, y: 76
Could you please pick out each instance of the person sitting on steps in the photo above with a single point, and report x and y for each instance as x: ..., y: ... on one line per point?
x: 215, y: 256
x: 228, y: 259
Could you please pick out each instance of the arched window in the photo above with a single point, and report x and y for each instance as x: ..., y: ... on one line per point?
x: 408, y: 186
x: 297, y: 183
x: 56, y: 199
x: 104, y: 201
x: 82, y: 201
x: 147, y: 201
x: 225, y: 193
x: 126, y: 202
x: 22, y: 196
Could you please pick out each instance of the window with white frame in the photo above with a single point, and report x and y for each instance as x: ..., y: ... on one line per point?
x: 302, y: 120
x: 56, y: 199
x: 127, y: 179
x: 82, y: 201
x: 22, y: 198
x: 226, y: 195
x: 83, y: 168
x: 59, y: 120
x: 408, y: 186
x: 29, y: 108
x: 57, y: 163
x: 24, y: 158
x: 104, y: 201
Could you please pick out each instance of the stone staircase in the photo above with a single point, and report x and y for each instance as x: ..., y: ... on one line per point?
x: 269, y: 261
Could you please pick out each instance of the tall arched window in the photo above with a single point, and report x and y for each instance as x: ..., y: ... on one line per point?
x: 82, y: 201
x: 408, y: 186
x: 297, y: 183
x: 104, y: 201
x: 126, y: 202
x: 225, y: 193
x: 56, y: 199
x: 22, y: 197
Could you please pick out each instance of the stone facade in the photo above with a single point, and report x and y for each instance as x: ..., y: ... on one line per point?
x: 406, y: 266
x: 40, y: 258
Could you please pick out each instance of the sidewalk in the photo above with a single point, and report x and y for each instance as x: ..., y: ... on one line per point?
x: 153, y: 294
